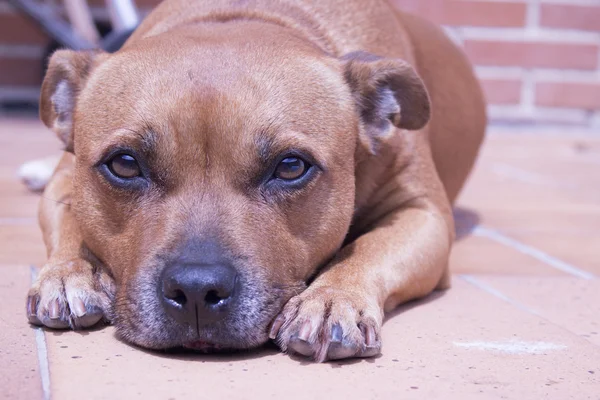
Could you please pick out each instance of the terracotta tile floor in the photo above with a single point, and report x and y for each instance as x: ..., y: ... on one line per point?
x: 522, y: 320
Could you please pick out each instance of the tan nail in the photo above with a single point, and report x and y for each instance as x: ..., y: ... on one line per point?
x: 370, y: 336
x: 305, y: 332
x: 54, y: 309
x: 32, y: 305
x: 276, y: 326
x: 78, y: 307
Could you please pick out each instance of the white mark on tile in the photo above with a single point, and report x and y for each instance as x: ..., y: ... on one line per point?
x: 512, y: 346
x: 533, y: 252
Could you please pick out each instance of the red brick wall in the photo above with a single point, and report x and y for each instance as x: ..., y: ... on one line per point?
x: 539, y: 60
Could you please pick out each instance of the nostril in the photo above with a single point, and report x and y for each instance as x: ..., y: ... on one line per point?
x: 212, y: 297
x: 178, y: 297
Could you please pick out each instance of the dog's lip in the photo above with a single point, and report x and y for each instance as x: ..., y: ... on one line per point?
x: 202, y: 345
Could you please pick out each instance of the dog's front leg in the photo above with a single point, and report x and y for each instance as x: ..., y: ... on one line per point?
x: 403, y: 256
x: 340, y: 314
x: 69, y: 291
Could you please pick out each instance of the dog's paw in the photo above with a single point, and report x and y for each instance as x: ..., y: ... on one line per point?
x: 69, y: 294
x: 329, y: 324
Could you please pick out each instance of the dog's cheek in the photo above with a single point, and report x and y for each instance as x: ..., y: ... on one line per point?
x: 319, y: 222
x: 262, y: 301
x: 139, y: 317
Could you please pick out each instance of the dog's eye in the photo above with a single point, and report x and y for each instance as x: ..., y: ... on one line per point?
x: 291, y: 168
x: 124, y: 166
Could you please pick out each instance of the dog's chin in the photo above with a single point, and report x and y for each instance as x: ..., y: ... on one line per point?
x: 202, y: 346
x: 161, y: 333
x: 191, y: 343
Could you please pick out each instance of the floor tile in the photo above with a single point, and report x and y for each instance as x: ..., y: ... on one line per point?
x: 23, y: 140
x: 480, y: 255
x: 571, y: 303
x: 21, y: 244
x: 463, y: 344
x: 19, y: 370
x: 542, y: 193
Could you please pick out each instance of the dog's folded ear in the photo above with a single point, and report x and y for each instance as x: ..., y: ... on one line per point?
x: 67, y: 73
x: 388, y: 94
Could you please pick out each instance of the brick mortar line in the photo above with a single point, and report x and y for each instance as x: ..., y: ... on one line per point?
x: 540, y: 111
x: 539, y: 74
x: 567, y: 76
x: 538, y: 35
x: 532, y: 17
x: 573, y: 2
x: 498, y: 112
x: 541, y: 130
x: 492, y: 72
x: 528, y: 93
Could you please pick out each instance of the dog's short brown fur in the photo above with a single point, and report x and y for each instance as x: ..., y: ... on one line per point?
x: 209, y: 95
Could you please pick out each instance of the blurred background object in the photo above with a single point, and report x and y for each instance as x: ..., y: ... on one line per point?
x: 30, y: 30
x: 538, y: 60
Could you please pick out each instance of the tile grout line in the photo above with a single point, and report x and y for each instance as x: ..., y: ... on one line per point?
x: 42, y: 351
x: 472, y: 280
x: 533, y: 252
x: 496, y: 293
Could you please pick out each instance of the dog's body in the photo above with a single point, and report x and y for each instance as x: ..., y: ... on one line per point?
x: 235, y: 151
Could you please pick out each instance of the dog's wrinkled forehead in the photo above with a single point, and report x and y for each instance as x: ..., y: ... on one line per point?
x: 216, y: 91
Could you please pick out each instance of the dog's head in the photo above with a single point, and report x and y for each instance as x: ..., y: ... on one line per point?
x: 215, y: 170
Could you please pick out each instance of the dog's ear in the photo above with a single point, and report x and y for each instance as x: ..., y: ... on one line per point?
x: 67, y: 73
x: 388, y: 94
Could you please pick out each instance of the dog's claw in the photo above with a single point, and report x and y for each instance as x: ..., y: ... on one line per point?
x: 336, y: 334
x: 78, y: 307
x: 369, y: 334
x: 54, y: 309
x: 329, y: 325
x: 301, y: 346
x: 305, y: 332
x: 371, y: 351
x: 276, y: 326
x: 32, y: 306
x: 92, y: 316
x: 339, y: 351
x: 54, y: 316
x: 65, y: 296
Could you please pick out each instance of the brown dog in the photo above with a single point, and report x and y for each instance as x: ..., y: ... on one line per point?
x: 252, y: 169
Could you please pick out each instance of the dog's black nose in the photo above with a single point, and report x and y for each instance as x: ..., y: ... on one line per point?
x: 198, y: 293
